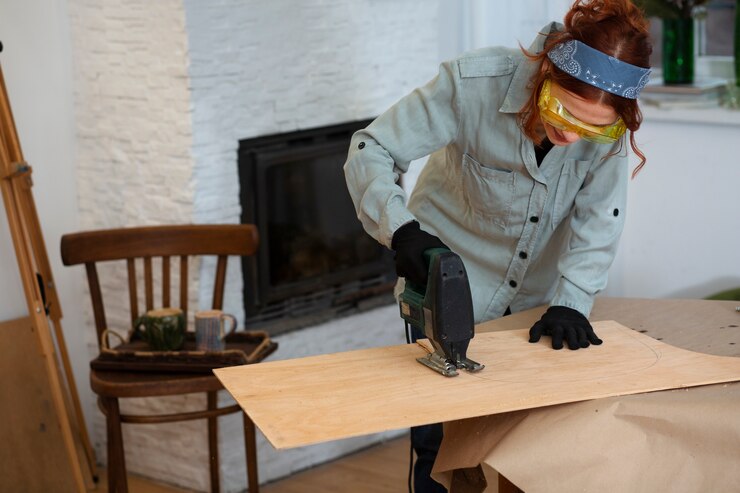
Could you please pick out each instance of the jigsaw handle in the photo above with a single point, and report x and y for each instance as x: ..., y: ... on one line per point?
x: 429, y: 255
x: 412, y: 299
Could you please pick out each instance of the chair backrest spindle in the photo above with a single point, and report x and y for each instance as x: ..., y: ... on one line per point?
x: 166, y: 281
x: 132, y: 297
x: 148, y: 283
x: 184, y: 285
x: 219, y: 283
x: 97, y: 299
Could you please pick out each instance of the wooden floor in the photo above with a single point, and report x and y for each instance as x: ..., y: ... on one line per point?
x: 382, y: 468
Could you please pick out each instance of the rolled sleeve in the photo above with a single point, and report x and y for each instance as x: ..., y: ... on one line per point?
x: 596, y: 225
x: 425, y: 120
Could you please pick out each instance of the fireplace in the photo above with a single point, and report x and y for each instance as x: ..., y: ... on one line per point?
x: 314, y: 261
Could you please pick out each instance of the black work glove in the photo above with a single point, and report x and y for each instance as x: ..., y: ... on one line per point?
x: 410, y: 242
x: 563, y: 322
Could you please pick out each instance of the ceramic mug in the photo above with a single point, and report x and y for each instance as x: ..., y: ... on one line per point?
x: 163, y: 329
x: 210, y: 333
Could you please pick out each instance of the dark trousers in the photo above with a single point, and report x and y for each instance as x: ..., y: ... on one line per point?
x: 425, y: 440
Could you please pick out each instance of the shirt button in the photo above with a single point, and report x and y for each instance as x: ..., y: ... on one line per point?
x: 361, y: 145
x: 522, y: 254
x: 616, y: 212
x: 534, y: 219
x: 512, y: 283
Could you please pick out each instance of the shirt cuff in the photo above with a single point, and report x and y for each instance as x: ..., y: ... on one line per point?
x: 396, y: 215
x: 570, y: 295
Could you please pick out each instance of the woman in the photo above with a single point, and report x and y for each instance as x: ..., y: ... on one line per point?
x: 527, y: 176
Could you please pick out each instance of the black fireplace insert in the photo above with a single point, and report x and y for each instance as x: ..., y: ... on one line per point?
x: 314, y: 261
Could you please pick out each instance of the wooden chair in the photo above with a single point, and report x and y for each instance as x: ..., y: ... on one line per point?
x: 131, y: 244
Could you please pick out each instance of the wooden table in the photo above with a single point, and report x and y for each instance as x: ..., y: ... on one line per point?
x: 711, y: 327
x: 327, y: 397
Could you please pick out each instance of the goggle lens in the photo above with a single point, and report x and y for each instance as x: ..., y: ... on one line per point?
x: 554, y: 113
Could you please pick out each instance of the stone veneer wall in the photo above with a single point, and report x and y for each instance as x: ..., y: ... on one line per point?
x: 135, y: 167
x: 164, y: 91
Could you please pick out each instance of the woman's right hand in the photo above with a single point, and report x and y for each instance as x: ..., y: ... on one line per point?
x: 410, y: 242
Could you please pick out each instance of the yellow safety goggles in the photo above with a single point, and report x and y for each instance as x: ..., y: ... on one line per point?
x: 554, y: 113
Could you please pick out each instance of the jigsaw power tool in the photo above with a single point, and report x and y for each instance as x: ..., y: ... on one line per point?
x: 443, y: 311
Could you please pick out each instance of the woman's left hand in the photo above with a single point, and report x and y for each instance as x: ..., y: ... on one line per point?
x: 561, y: 322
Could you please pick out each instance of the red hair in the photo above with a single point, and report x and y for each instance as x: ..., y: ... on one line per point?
x: 615, y: 27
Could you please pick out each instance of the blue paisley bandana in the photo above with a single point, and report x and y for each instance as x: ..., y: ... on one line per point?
x: 599, y: 69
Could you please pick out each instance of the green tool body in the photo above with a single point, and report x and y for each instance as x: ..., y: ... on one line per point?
x: 443, y: 311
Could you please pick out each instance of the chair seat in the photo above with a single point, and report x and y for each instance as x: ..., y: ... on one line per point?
x: 143, y: 384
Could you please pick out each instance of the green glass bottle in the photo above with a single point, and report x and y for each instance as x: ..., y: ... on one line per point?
x: 737, y: 43
x: 678, y: 50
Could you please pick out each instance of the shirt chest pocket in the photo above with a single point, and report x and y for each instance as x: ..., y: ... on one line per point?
x: 570, y: 182
x: 488, y: 192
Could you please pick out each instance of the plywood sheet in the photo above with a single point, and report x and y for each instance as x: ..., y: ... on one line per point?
x: 310, y: 400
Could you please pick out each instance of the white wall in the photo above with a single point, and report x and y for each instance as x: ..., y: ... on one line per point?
x: 486, y: 23
x: 37, y: 66
x: 682, y: 234
x: 470, y: 24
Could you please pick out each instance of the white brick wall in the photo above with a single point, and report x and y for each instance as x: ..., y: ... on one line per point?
x: 135, y: 167
x: 164, y: 91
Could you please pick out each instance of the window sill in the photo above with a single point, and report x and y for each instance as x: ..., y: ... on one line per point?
x: 712, y: 115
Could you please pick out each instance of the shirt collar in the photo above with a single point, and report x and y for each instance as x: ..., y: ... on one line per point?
x: 519, y: 91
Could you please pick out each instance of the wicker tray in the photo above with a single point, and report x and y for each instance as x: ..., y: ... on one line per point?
x: 242, y: 348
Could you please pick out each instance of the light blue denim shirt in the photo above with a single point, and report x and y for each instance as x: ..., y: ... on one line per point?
x: 528, y: 235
